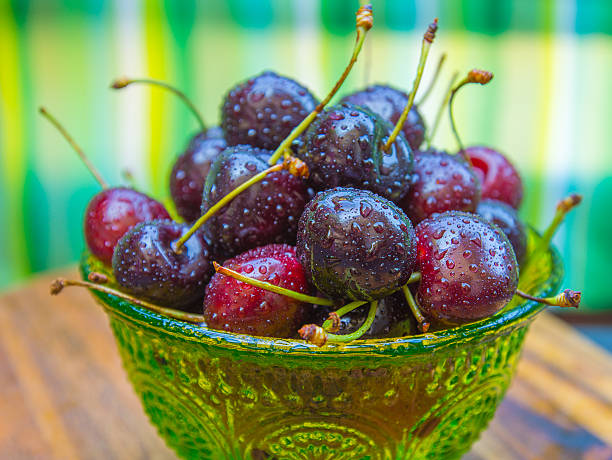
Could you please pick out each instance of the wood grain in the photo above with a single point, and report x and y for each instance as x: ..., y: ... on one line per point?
x: 65, y: 395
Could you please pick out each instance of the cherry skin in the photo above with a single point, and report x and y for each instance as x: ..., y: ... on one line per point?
x: 111, y: 213
x: 393, y: 318
x: 264, y: 110
x: 441, y: 182
x: 468, y: 268
x: 355, y: 245
x: 232, y: 305
x: 265, y: 213
x: 190, y: 171
x: 499, y: 179
x: 505, y: 217
x: 344, y: 147
x: 146, y: 265
x: 388, y: 103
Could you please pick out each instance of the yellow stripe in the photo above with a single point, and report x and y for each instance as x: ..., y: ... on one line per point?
x: 12, y: 140
x: 159, y: 121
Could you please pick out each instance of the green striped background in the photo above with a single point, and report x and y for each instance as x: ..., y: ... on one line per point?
x: 549, y: 106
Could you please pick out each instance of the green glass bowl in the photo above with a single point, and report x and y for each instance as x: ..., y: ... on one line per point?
x: 220, y: 395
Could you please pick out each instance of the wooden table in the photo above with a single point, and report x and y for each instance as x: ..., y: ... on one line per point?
x: 65, y: 395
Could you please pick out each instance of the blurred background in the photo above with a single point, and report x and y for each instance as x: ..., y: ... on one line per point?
x: 549, y: 107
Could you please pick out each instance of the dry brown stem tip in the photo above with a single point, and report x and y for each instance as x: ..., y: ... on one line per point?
x: 335, y: 320
x: 569, y: 298
x: 569, y: 202
x: 430, y: 33
x: 364, y: 17
x: 57, y: 286
x: 313, y: 334
x: 96, y: 277
x: 119, y: 83
x: 480, y: 76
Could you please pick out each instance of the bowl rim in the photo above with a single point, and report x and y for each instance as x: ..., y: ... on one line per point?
x: 502, y: 322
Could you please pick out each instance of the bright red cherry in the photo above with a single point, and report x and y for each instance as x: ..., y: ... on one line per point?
x: 498, y: 177
x: 235, y: 306
x: 114, y: 211
x: 468, y: 268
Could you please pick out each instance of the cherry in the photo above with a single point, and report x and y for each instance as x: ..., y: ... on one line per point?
x: 146, y: 265
x: 191, y: 168
x: 468, y: 268
x: 266, y: 212
x: 388, y: 103
x: 235, y: 306
x: 441, y: 182
x: 113, y: 211
x: 343, y: 147
x: 263, y: 111
x: 353, y: 147
x: 355, y: 244
x: 505, y: 217
x: 190, y: 171
x: 499, y: 179
x: 393, y: 319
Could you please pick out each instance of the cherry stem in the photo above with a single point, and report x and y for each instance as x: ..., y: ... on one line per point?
x: 363, y: 23
x: 129, y: 178
x: 349, y: 307
x: 124, y: 82
x: 436, y: 123
x: 317, y: 335
x: 567, y: 298
x: 415, y: 277
x: 428, y: 38
x: 563, y: 207
x: 434, y: 80
x: 474, y: 76
x: 272, y: 287
x: 416, y: 310
x: 75, y: 146
x: 60, y: 283
x: 293, y: 165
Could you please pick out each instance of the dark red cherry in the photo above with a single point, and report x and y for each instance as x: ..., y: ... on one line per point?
x: 265, y: 213
x: 264, y: 110
x: 499, y: 179
x: 468, y: 268
x: 441, y: 182
x: 393, y: 318
x: 388, y: 103
x: 344, y: 147
x: 232, y: 305
x: 146, y: 265
x: 190, y: 171
x: 355, y: 244
x: 505, y: 217
x: 111, y: 213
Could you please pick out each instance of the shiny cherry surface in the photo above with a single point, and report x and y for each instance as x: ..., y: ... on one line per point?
x: 111, y: 213
x: 441, y: 182
x: 264, y: 110
x: 498, y: 177
x: 388, y: 103
x: 190, y: 171
x: 267, y: 212
x: 355, y: 245
x: 344, y: 147
x: 505, y: 217
x: 146, y: 265
x: 235, y: 306
x: 468, y: 268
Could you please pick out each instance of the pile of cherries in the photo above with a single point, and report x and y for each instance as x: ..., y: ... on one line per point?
x: 328, y: 223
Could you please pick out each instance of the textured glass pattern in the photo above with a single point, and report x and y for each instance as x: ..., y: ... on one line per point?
x: 220, y: 395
